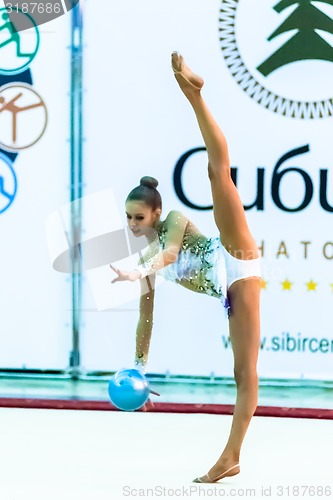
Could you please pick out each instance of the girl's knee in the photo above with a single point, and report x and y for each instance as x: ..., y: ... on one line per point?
x: 246, y: 376
x: 218, y: 171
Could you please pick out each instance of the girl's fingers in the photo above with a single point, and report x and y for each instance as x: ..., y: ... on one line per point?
x: 114, y: 269
x: 149, y: 405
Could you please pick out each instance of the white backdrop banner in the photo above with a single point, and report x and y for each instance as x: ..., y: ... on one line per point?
x: 34, y: 180
x: 267, y: 81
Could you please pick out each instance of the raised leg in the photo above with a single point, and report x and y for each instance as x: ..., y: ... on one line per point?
x: 228, y: 209
x: 244, y: 295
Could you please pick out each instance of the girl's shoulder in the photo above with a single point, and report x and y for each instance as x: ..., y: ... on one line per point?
x: 175, y: 217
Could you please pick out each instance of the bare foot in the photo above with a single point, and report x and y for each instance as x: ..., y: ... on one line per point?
x: 188, y: 81
x: 219, y: 471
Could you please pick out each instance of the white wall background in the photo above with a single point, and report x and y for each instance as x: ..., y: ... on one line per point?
x: 138, y: 123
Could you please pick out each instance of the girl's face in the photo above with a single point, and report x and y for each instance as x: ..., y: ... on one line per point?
x: 141, y: 216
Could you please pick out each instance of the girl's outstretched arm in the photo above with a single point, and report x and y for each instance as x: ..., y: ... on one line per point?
x: 145, y: 323
x: 156, y: 259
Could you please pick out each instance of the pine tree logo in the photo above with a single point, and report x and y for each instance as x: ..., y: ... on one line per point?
x: 281, y: 55
x: 306, y: 43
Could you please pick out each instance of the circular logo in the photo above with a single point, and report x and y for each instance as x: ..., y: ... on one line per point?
x: 17, y: 48
x: 281, y: 54
x: 8, y: 183
x: 23, y: 116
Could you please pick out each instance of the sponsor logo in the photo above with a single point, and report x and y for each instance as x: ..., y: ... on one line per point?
x: 281, y: 54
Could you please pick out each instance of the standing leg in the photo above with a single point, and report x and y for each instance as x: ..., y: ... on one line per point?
x: 244, y: 325
x: 244, y: 295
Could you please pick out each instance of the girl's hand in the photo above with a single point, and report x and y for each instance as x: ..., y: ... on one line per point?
x: 149, y: 405
x: 125, y: 275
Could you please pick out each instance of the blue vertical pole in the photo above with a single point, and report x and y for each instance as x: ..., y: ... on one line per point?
x: 76, y: 140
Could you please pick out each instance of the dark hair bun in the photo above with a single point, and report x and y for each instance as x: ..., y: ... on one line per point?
x: 150, y: 182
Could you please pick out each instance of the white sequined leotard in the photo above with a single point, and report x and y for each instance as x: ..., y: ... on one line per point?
x: 205, y: 266
x: 200, y: 266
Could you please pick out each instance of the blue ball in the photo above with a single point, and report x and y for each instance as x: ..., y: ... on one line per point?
x: 129, y: 389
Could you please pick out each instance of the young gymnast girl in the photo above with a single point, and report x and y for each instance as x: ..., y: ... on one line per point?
x: 226, y: 267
